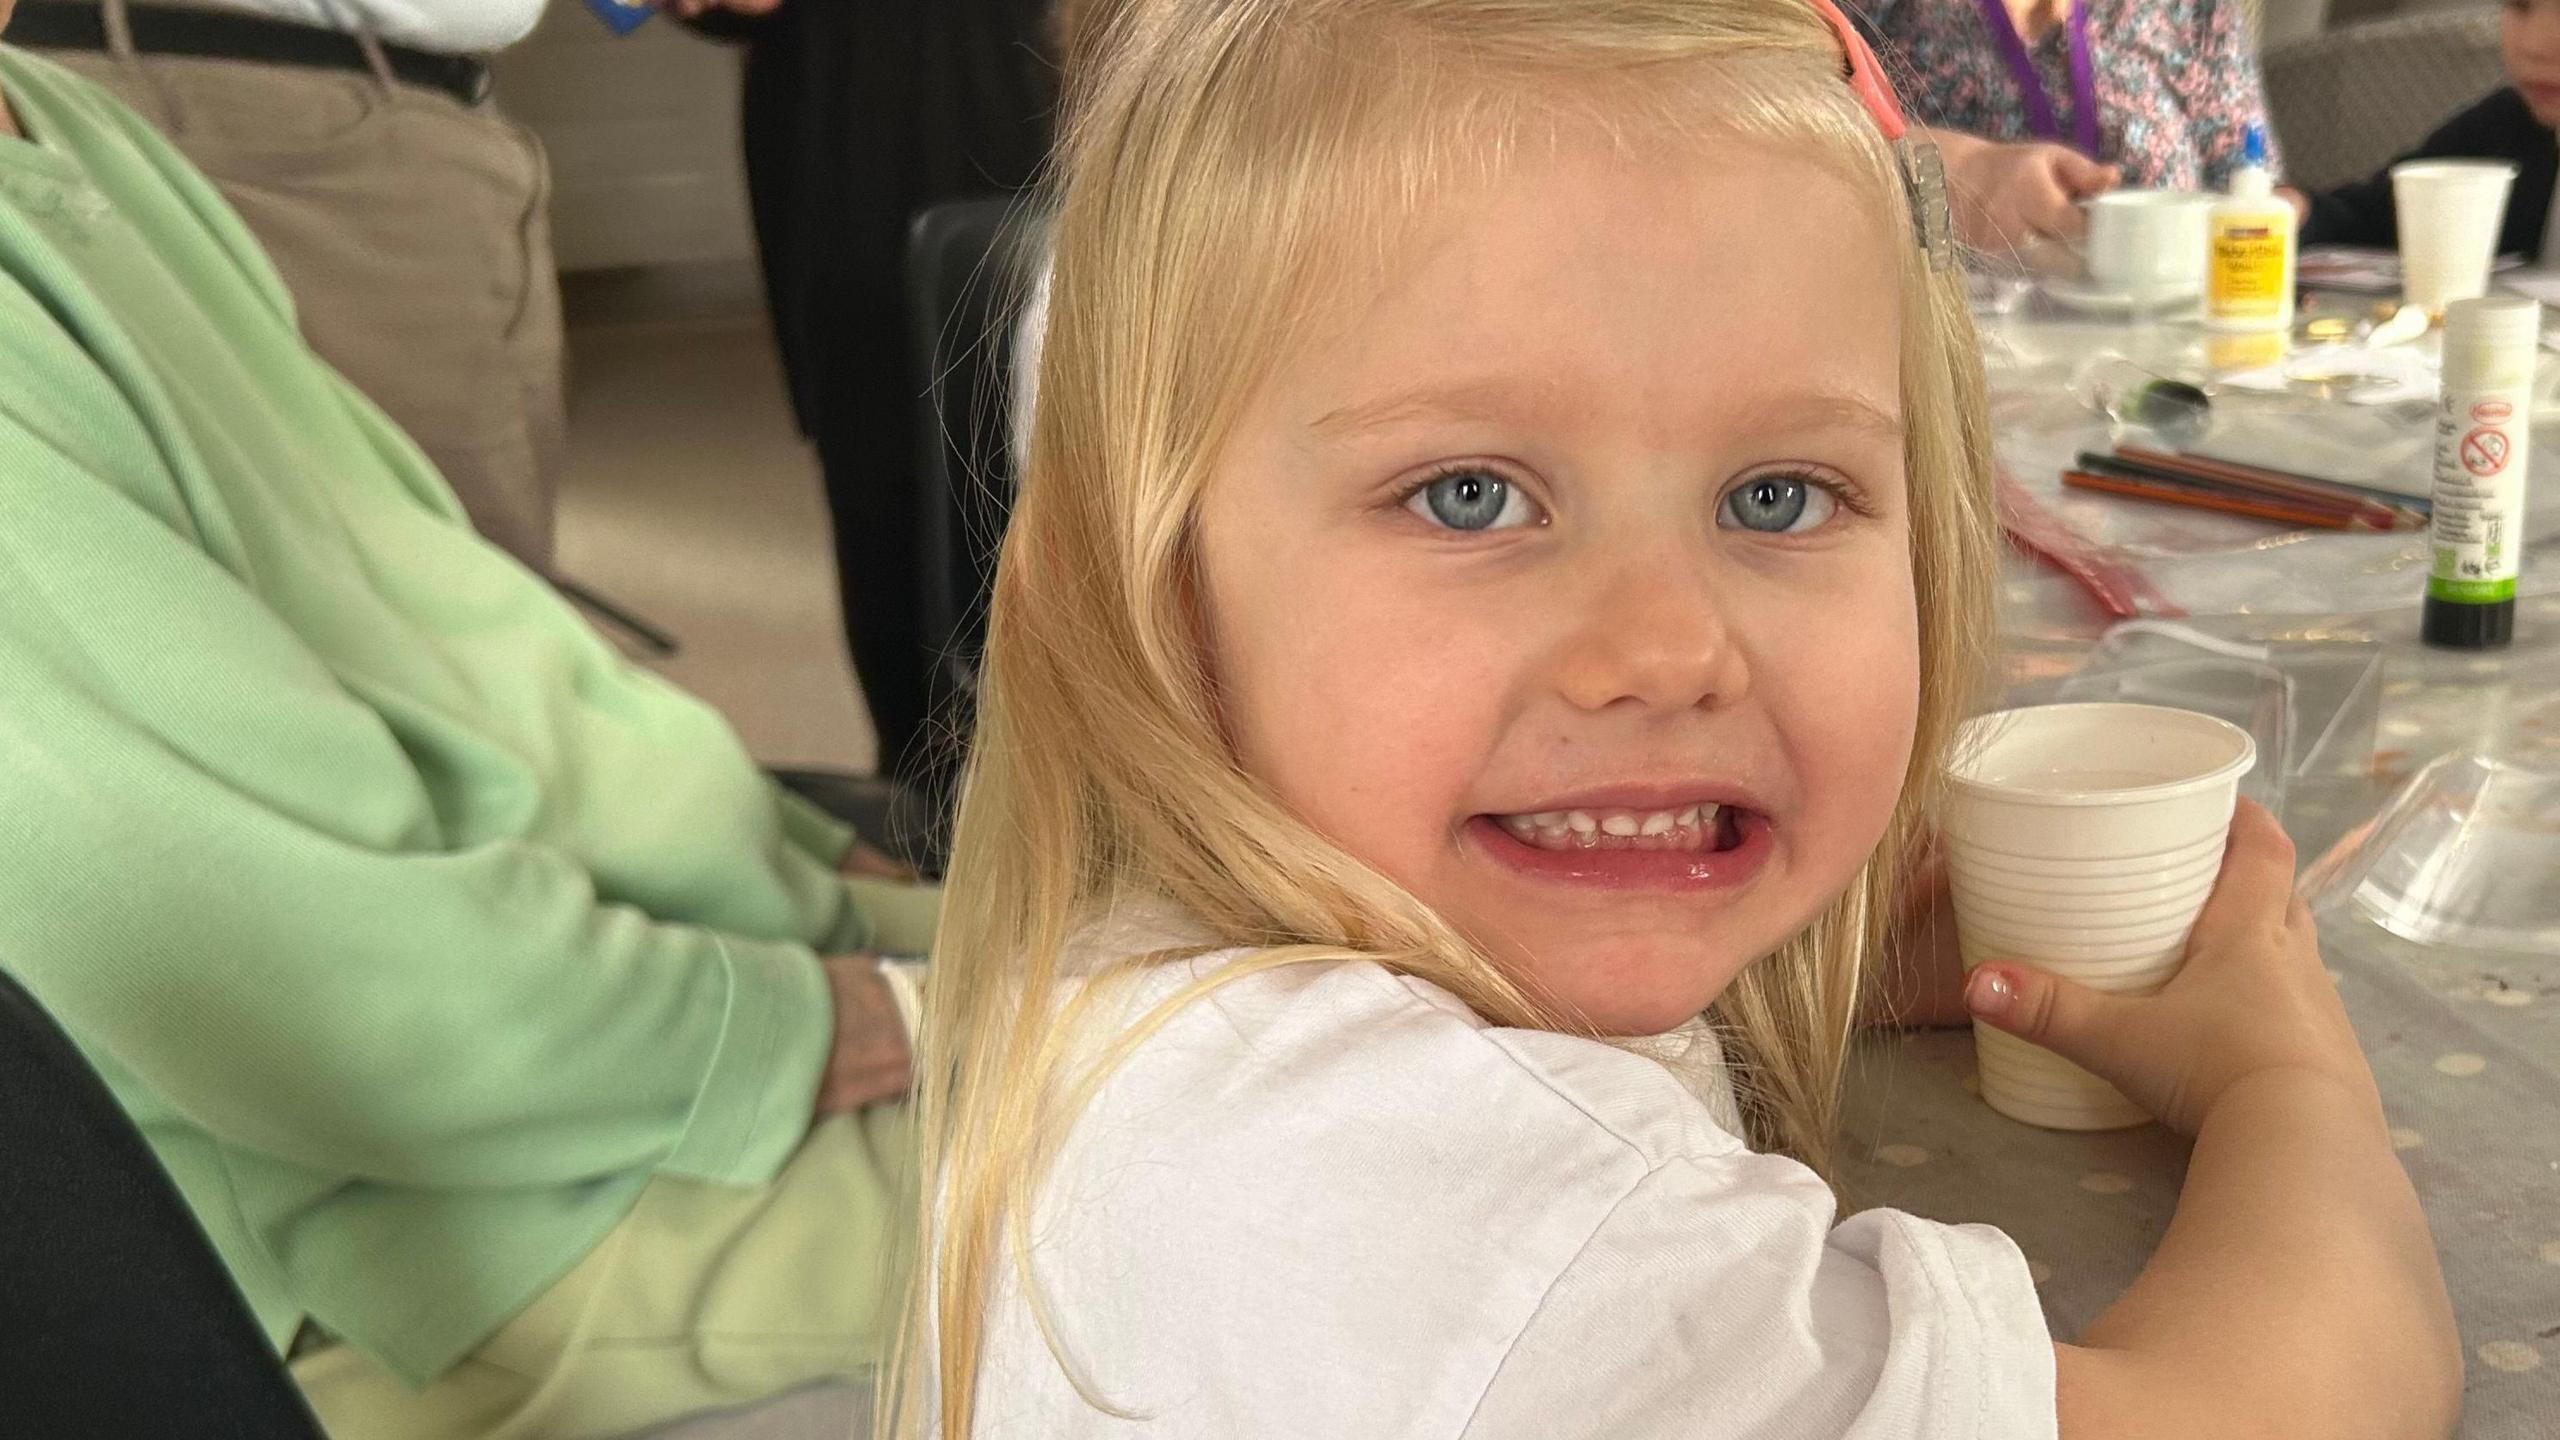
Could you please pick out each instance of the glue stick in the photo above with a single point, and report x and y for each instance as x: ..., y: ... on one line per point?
x: 2475, y: 541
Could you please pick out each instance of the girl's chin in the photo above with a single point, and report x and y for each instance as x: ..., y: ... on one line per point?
x: 1629, y: 987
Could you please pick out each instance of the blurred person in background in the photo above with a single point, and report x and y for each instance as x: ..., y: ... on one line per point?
x: 409, y: 217
x: 2039, y: 104
x: 511, y: 1036
x: 860, y: 113
x: 2514, y: 123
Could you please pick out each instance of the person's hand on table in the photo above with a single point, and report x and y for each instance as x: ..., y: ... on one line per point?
x: 2010, y: 195
x: 871, y: 1060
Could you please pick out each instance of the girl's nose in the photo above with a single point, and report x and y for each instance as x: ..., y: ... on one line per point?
x: 1653, y: 635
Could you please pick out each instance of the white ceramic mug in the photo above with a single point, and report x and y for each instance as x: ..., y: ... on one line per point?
x: 2146, y: 243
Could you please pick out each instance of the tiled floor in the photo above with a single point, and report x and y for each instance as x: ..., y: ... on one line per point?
x: 691, y: 500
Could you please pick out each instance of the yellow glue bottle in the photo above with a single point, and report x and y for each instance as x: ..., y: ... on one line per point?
x: 2248, y: 281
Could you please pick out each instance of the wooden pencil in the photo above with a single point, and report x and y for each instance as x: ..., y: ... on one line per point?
x: 2275, y: 489
x: 2169, y: 492
x: 2391, y: 511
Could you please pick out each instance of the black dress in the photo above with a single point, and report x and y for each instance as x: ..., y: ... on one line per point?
x: 859, y: 113
x: 2501, y: 127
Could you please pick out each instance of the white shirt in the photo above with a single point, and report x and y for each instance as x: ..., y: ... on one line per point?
x: 448, y: 27
x: 1328, y: 1201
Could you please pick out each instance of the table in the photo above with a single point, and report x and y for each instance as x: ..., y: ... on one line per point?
x: 2466, y: 1046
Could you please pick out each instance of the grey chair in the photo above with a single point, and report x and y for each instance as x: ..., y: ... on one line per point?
x: 2343, y: 104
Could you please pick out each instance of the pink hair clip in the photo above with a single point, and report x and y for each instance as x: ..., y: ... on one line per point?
x: 1924, y: 171
x: 1866, y: 75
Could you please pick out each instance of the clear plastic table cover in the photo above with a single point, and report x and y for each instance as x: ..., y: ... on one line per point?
x: 2045, y: 410
x: 2310, y: 705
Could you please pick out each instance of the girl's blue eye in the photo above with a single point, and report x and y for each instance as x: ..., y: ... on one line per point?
x: 1776, y: 505
x: 1470, y: 500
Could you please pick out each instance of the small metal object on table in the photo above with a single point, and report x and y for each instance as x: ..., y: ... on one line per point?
x: 2465, y: 1045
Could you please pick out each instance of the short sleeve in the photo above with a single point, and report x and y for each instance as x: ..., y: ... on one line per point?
x: 1718, y: 1300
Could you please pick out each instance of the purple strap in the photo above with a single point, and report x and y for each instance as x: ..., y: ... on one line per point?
x: 2022, y: 67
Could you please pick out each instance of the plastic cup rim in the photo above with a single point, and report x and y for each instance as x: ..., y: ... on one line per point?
x: 2227, y: 773
x: 2454, y: 166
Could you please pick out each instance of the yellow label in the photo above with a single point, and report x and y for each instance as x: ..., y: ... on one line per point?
x: 2247, y: 275
x: 2228, y: 354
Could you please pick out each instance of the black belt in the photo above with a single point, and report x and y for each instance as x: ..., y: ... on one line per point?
x: 224, y: 35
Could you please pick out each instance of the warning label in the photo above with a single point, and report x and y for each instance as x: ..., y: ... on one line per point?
x: 2484, y: 451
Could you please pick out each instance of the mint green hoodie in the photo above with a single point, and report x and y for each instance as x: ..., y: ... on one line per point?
x: 416, y: 928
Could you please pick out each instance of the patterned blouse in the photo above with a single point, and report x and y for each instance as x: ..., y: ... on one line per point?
x: 2176, y: 80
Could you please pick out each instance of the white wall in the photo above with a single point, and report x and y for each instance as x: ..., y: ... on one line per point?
x: 643, y: 135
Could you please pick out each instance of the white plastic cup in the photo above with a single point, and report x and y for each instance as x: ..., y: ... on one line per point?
x: 2450, y: 213
x: 2082, y: 840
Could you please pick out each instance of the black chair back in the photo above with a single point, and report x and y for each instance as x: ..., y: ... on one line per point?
x: 117, y: 1321
x: 969, y: 267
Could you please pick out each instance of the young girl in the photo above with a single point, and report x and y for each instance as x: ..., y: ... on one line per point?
x: 1506, y: 539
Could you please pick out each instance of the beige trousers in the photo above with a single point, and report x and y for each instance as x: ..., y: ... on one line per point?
x: 706, y: 1297
x: 414, y: 233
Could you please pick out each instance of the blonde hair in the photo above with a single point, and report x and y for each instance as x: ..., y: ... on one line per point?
x: 1227, y: 160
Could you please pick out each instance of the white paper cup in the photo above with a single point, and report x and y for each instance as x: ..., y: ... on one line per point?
x: 2146, y: 242
x: 2449, y: 212
x: 2082, y: 840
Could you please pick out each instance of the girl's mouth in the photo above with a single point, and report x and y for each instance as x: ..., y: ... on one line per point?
x: 1687, y: 849
x: 1691, y: 828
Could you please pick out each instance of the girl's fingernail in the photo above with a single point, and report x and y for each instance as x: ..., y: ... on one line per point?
x: 1990, y: 993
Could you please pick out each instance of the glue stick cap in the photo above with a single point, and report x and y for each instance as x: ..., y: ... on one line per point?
x: 2253, y: 145
x: 2494, y: 324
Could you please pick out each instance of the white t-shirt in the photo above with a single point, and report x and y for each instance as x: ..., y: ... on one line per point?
x: 1328, y: 1201
x: 448, y: 27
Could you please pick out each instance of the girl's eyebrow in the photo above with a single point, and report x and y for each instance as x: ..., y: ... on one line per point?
x: 1835, y: 409
x: 1485, y: 399
x: 1494, y: 399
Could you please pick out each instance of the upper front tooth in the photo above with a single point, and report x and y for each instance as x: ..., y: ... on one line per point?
x: 1658, y: 823
x: 1690, y: 815
x: 1707, y: 814
x: 1619, y: 825
x: 1582, y: 822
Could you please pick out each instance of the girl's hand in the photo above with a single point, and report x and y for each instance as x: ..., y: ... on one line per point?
x: 2251, y: 1000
